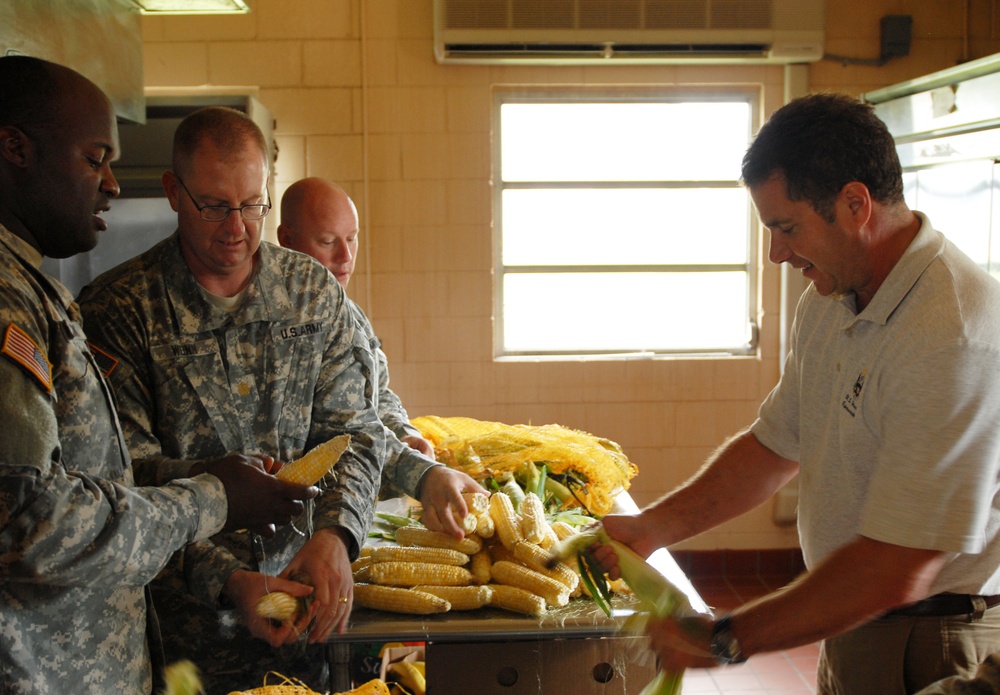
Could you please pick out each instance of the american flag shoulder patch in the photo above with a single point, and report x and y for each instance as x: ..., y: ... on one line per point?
x: 19, y: 346
x: 105, y: 362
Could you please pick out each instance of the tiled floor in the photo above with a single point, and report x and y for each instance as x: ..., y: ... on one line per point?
x: 791, y: 672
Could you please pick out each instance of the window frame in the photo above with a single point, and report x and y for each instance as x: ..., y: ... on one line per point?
x: 752, y: 95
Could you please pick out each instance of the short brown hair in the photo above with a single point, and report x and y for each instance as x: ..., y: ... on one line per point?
x: 228, y: 129
x: 819, y: 144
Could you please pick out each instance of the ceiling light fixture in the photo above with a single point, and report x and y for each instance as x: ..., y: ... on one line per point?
x: 162, y: 7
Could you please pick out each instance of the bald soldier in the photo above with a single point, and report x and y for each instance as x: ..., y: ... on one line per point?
x: 318, y: 218
x: 78, y: 541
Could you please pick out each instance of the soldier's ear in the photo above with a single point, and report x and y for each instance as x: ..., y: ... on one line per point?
x: 16, y: 146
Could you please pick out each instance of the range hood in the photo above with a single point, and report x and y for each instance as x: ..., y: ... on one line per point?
x: 100, y: 39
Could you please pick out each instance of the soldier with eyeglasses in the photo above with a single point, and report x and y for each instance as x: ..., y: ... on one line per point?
x: 216, y: 343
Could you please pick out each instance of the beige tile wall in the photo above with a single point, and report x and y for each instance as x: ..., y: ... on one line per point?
x: 357, y: 97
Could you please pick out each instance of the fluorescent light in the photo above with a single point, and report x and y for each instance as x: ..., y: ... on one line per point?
x: 159, y: 7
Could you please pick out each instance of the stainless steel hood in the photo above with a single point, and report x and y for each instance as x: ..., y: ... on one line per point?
x: 100, y: 39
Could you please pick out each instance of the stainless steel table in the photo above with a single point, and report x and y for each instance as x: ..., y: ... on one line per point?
x: 576, y: 648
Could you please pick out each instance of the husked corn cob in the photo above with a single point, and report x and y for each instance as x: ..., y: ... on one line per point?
x: 418, y: 535
x: 480, y: 567
x: 485, y: 528
x: 413, y: 573
x: 498, y: 553
x: 508, y: 525
x: 533, y: 521
x: 513, y: 574
x: 311, y: 468
x: 562, y: 529
x: 469, y: 524
x: 515, y: 599
x: 399, y: 600
x: 278, y: 605
x: 535, y: 557
x: 477, y: 502
x: 418, y: 553
x: 461, y: 598
x: 550, y: 536
x: 410, y: 677
x: 361, y: 567
x: 290, y: 686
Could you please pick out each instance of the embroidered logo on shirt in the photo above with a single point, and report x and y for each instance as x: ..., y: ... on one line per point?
x: 300, y: 331
x: 852, y: 400
x: 105, y: 362
x: 19, y: 346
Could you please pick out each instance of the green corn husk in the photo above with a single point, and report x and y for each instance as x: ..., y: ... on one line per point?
x: 658, y: 597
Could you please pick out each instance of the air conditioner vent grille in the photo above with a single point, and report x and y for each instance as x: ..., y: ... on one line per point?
x: 648, y: 30
x: 618, y: 14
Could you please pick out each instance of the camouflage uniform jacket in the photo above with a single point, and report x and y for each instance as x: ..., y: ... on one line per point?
x: 283, y: 372
x: 404, y: 467
x: 77, y: 541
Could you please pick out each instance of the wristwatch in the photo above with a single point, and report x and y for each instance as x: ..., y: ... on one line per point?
x: 724, y: 647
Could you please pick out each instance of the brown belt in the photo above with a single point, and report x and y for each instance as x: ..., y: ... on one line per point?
x: 941, y: 605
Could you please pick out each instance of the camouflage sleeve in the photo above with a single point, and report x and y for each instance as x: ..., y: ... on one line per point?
x: 404, y: 468
x: 60, y: 526
x: 344, y: 402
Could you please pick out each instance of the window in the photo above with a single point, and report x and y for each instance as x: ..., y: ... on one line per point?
x: 621, y: 226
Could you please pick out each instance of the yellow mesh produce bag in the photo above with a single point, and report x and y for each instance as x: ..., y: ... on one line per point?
x: 486, y: 449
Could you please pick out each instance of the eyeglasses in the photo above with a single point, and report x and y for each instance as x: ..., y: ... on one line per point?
x: 217, y: 213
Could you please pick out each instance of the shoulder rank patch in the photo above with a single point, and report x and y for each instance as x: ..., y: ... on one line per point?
x: 105, y: 362
x: 19, y: 346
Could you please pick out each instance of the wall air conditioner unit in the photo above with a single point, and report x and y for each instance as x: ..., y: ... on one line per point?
x: 586, y: 32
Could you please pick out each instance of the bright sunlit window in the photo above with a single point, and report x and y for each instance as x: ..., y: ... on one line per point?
x: 621, y: 224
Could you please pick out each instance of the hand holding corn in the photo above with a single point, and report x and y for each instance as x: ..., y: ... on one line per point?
x: 257, y: 500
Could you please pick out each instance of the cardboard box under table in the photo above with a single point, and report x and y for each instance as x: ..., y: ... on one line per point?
x: 574, y: 649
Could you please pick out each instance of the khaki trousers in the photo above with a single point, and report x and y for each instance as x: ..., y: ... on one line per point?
x: 899, y: 655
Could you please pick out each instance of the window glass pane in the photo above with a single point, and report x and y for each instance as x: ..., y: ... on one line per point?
x: 623, y: 141
x: 624, y: 226
x: 568, y: 312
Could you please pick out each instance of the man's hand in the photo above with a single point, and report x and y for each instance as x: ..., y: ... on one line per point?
x: 245, y: 588
x: 682, y: 643
x: 441, y: 491
x: 325, y: 560
x: 628, y: 529
x: 257, y: 500
x: 420, y: 444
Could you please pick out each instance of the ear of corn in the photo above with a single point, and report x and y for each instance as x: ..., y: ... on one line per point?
x: 418, y: 535
x: 480, y: 567
x: 311, y: 468
x: 533, y: 523
x: 513, y: 574
x: 417, y: 553
x: 413, y: 573
x: 469, y: 523
x: 536, y: 558
x: 505, y: 519
x: 658, y: 596
x: 476, y: 502
x: 360, y: 568
x: 399, y: 600
x: 485, y: 528
x: 277, y: 605
x: 182, y: 678
x: 409, y: 676
x: 461, y: 598
x: 512, y: 598
x: 562, y: 529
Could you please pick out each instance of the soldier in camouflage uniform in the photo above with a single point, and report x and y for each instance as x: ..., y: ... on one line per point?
x: 77, y: 541
x: 225, y: 343
x: 319, y: 218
